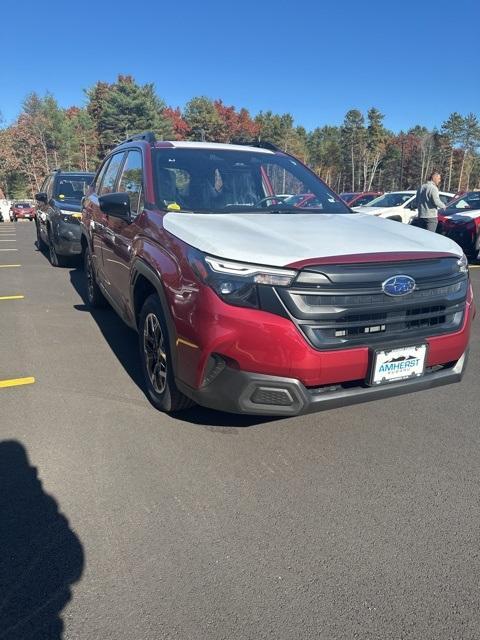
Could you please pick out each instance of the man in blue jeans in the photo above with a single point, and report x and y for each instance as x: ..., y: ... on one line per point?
x: 428, y: 203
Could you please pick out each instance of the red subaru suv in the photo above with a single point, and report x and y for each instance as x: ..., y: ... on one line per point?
x: 22, y: 211
x: 245, y: 303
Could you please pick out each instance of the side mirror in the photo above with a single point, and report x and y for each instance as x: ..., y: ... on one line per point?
x: 116, y: 205
x: 41, y: 197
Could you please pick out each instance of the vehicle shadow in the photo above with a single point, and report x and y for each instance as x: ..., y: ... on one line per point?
x: 120, y: 338
x: 123, y: 343
x: 40, y: 556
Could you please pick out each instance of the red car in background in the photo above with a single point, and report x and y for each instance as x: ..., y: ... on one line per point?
x: 359, y: 198
x: 460, y: 221
x: 22, y: 211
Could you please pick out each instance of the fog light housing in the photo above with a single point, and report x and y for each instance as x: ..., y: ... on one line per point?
x: 272, y: 396
x: 215, y: 365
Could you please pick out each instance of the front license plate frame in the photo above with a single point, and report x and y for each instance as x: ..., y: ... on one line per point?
x: 403, y: 363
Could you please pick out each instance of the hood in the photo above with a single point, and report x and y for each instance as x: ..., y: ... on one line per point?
x: 464, y: 216
x: 74, y: 207
x: 282, y: 239
x: 372, y: 211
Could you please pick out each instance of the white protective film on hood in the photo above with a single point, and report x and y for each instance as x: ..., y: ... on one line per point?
x: 281, y: 239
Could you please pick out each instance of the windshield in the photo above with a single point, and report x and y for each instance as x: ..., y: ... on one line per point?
x: 466, y: 202
x: 362, y: 200
x: 72, y: 188
x: 390, y: 200
x: 232, y: 181
x: 23, y: 205
x: 348, y: 196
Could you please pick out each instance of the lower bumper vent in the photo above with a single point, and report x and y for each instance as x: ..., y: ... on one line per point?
x: 268, y: 395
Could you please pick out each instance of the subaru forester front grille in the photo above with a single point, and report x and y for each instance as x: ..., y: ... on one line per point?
x: 352, y: 310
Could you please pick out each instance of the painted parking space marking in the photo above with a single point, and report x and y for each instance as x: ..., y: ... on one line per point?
x: 9, y: 266
x: 8, y: 249
x: 16, y: 382
x: 12, y: 297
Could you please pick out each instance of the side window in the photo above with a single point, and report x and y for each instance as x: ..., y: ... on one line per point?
x: 473, y: 201
x: 110, y: 176
x: 131, y: 181
x: 413, y: 204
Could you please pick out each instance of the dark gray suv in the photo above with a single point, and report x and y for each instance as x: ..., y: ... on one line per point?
x: 58, y: 214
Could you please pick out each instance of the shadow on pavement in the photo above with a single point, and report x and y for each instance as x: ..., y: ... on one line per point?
x: 219, y: 419
x: 40, y: 556
x: 124, y: 344
x: 120, y: 338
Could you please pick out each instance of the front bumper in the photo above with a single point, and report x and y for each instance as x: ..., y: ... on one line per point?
x: 68, y: 239
x: 238, y: 391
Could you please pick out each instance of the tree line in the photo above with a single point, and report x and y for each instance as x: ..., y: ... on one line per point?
x: 359, y: 155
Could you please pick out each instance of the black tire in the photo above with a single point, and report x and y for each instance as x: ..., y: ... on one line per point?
x: 55, y: 259
x: 156, y: 359
x: 95, y: 297
x: 41, y: 245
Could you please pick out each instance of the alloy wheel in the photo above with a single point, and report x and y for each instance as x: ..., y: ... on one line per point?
x: 155, y: 354
x: 52, y: 252
x: 89, y: 274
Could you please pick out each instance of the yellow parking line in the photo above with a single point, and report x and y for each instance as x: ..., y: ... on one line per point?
x: 16, y: 382
x: 9, y: 266
x: 12, y: 297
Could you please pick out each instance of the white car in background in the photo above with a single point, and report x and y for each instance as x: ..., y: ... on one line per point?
x: 400, y: 206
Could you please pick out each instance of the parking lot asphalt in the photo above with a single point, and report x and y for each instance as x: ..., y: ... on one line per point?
x: 120, y: 522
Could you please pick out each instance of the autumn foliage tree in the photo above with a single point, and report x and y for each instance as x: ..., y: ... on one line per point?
x: 360, y: 154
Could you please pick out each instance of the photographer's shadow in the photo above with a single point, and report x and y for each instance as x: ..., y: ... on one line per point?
x: 40, y: 556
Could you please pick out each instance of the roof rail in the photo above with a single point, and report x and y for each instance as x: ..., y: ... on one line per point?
x: 264, y: 144
x: 261, y: 144
x: 148, y: 136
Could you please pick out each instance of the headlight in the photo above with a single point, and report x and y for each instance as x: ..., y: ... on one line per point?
x: 463, y: 264
x: 71, y: 216
x: 237, y: 282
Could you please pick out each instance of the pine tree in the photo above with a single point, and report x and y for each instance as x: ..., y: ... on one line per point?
x: 353, y: 139
x: 452, y: 128
x: 203, y: 120
x: 122, y: 109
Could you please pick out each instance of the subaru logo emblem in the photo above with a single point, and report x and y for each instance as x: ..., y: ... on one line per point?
x: 398, y: 286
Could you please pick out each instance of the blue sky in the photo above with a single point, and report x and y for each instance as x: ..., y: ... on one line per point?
x: 416, y: 61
